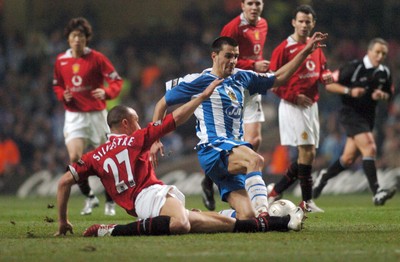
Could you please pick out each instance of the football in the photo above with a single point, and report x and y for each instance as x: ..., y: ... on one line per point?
x: 281, y: 207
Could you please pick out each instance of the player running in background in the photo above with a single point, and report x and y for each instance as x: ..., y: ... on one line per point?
x: 298, y: 108
x: 78, y: 83
x: 223, y: 155
x: 123, y: 166
x: 250, y: 30
x: 362, y: 84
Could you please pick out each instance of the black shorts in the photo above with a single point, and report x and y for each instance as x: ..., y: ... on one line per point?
x: 355, y: 123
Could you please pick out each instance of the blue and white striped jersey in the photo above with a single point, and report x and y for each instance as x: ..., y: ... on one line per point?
x: 220, y: 116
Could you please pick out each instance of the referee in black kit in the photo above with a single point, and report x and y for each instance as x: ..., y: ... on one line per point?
x: 362, y: 83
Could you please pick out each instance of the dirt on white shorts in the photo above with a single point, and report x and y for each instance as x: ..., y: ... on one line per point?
x: 298, y: 125
x: 253, y: 110
x: 91, y: 126
x: 150, y: 201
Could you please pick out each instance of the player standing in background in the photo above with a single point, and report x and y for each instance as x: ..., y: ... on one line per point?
x: 231, y: 162
x: 250, y: 30
x: 298, y: 108
x: 123, y: 166
x: 362, y: 83
x: 78, y: 83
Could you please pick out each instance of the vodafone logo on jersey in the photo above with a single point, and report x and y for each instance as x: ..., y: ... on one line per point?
x: 310, y: 65
x: 76, y: 80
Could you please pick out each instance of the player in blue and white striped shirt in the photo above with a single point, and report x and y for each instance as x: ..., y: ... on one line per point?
x: 229, y: 161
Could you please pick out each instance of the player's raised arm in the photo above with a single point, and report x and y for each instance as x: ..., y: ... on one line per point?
x: 184, y: 112
x: 285, y: 72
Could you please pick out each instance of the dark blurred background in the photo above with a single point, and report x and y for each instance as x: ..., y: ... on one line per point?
x: 152, y: 41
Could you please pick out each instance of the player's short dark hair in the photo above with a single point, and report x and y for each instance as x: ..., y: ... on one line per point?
x: 116, y: 115
x: 377, y: 40
x: 221, y: 41
x: 307, y: 9
x: 81, y: 24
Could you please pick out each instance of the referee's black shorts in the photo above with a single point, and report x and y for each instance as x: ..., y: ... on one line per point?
x: 355, y: 123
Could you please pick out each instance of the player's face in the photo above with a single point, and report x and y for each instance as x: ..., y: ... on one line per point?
x: 252, y: 10
x: 77, y: 41
x: 377, y: 54
x: 303, y: 24
x: 225, y: 61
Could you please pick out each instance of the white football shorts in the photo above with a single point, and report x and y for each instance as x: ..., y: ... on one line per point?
x: 252, y: 108
x: 298, y: 125
x: 91, y: 126
x: 150, y: 200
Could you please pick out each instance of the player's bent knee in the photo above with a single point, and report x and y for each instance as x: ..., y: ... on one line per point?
x: 256, y: 160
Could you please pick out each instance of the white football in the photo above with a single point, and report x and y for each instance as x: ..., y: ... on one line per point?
x: 281, y: 207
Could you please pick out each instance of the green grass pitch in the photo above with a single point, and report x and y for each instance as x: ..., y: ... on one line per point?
x: 351, y: 229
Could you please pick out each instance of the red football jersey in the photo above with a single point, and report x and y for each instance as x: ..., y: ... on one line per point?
x: 81, y: 76
x: 251, y: 39
x: 122, y: 163
x: 305, y: 79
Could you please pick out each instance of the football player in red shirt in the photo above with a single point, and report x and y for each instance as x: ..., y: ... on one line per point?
x: 78, y: 83
x: 124, y: 168
x: 298, y: 109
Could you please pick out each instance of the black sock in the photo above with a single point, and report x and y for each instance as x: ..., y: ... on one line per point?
x: 151, y: 226
x: 85, y: 188
x: 262, y: 224
x: 289, y: 178
x: 333, y: 170
x: 305, y: 181
x: 370, y: 171
x: 207, y: 180
x: 108, y: 197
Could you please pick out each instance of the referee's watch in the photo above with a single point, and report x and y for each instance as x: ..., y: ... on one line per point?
x: 347, y: 91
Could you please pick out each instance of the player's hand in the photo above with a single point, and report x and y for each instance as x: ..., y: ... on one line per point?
x: 357, y: 92
x: 379, y: 95
x: 99, y: 93
x: 316, y: 42
x: 261, y: 66
x: 154, y: 149
x: 64, y: 228
x: 304, y: 101
x: 210, y: 89
x: 67, y: 95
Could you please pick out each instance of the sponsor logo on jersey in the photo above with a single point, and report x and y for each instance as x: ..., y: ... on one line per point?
x: 76, y: 80
x: 64, y: 63
x: 310, y: 65
x: 234, y: 112
x: 292, y: 50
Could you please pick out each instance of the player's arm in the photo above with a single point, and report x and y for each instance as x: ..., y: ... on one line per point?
x: 111, y: 77
x: 184, y: 112
x: 339, y: 80
x: 284, y: 73
x: 159, y: 113
x: 62, y: 94
x: 63, y: 193
x: 344, y: 90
